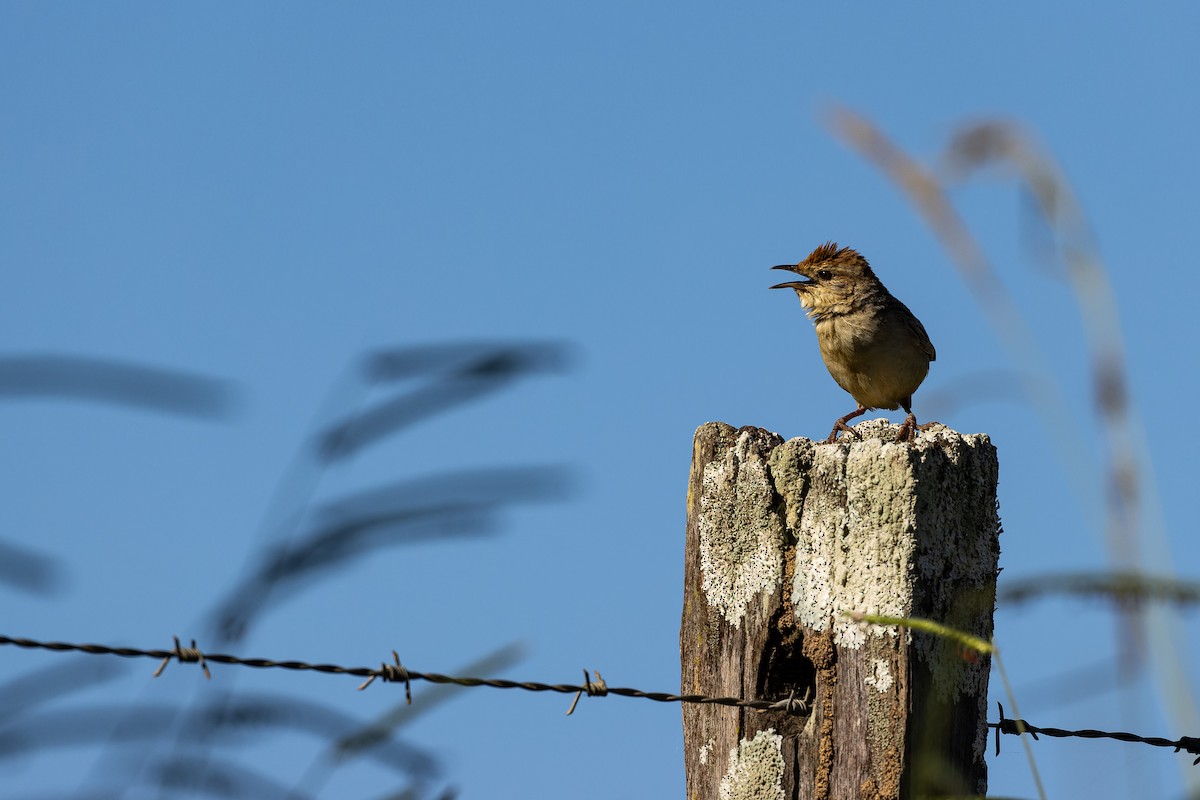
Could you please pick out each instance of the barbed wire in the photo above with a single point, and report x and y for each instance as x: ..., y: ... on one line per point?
x: 1016, y: 727
x: 398, y: 673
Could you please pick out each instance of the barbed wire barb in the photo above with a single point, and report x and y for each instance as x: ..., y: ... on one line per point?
x: 597, y: 689
x: 791, y: 705
x: 392, y: 673
x: 184, y: 655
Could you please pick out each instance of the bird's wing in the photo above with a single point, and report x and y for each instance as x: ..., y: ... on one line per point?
x: 919, y: 331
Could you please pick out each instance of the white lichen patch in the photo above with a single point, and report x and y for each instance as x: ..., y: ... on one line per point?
x: 741, y: 536
x: 880, y: 677
x: 855, y: 542
x: 755, y: 769
x: 706, y: 749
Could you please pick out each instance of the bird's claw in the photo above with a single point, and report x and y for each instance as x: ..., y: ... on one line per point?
x: 909, y: 429
x: 838, y: 428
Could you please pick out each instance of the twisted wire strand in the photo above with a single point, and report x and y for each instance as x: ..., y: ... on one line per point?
x: 592, y: 687
x: 397, y: 673
x: 1016, y: 727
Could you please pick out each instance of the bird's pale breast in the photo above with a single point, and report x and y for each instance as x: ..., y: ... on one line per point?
x: 873, y: 356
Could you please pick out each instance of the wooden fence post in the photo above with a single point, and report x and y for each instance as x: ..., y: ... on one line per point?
x: 782, y: 538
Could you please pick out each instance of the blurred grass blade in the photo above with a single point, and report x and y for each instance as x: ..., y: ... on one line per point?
x: 452, y: 505
x: 284, y: 568
x: 24, y: 569
x: 485, y: 372
x: 126, y: 724
x: 120, y: 383
x: 967, y: 640
x: 1124, y: 588
x: 55, y: 681
x: 401, y: 363
x: 219, y: 778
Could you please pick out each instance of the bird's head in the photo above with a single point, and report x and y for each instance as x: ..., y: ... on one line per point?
x: 833, y: 278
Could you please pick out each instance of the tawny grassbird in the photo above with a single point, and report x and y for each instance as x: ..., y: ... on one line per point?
x: 870, y: 342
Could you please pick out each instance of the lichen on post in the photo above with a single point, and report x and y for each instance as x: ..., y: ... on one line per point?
x: 784, y: 538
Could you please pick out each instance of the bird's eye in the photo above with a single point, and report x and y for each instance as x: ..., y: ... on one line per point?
x: 824, y: 274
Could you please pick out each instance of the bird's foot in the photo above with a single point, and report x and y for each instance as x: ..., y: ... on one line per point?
x: 838, y: 427
x: 909, y: 429
x: 841, y: 425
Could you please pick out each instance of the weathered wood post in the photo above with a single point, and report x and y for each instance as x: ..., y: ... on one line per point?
x: 782, y: 538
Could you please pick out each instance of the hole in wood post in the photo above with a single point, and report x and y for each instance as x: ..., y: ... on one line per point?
x: 785, y: 670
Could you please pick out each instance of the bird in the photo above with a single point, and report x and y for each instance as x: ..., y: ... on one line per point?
x: 872, y: 345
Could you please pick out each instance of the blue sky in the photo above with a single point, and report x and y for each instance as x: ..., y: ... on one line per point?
x: 260, y: 193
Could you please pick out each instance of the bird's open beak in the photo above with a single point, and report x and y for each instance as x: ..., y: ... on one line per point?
x: 792, y: 284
